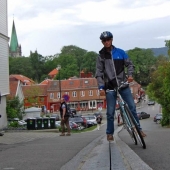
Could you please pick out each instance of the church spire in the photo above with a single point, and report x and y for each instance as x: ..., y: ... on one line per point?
x: 14, y: 48
x: 14, y: 39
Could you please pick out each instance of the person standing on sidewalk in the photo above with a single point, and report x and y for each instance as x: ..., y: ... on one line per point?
x: 64, y: 118
x: 110, y: 73
x: 98, y: 120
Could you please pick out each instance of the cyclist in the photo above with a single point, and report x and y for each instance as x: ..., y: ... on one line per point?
x: 110, y: 73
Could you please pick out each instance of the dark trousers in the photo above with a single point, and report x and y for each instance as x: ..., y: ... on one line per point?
x: 63, y: 123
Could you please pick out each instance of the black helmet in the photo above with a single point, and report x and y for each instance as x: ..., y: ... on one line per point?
x: 105, y: 35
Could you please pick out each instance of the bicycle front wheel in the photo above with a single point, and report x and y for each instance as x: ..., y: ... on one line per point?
x: 136, y: 128
x: 128, y: 125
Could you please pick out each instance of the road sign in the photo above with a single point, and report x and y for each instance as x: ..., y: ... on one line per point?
x: 66, y: 97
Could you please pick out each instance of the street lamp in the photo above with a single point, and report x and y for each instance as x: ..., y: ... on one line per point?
x: 58, y: 68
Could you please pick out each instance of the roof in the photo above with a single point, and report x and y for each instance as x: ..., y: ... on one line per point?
x: 53, y: 72
x: 79, y: 83
x: 34, y: 90
x: 25, y: 80
x: 13, y: 88
x: 45, y: 81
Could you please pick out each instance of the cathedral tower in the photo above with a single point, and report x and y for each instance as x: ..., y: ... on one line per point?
x: 14, y: 48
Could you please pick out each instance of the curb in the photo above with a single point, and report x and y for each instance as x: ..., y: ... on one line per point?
x: 131, y: 159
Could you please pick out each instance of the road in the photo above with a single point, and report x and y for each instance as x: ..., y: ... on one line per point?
x: 157, y: 153
x: 45, y: 150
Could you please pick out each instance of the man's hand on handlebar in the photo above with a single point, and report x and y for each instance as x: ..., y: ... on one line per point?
x: 130, y: 79
x: 102, y: 92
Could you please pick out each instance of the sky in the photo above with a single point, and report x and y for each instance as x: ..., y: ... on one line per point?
x: 48, y: 25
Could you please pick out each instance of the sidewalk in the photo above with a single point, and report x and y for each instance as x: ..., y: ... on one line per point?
x: 122, y: 156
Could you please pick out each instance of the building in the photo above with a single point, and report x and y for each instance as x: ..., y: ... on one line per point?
x: 23, y: 79
x: 53, y: 73
x: 14, y: 47
x: 4, y: 65
x: 83, y: 93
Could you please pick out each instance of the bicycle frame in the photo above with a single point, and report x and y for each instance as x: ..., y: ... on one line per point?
x: 126, y: 119
x: 129, y: 121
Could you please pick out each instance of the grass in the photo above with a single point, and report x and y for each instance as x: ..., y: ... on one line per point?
x: 84, y: 130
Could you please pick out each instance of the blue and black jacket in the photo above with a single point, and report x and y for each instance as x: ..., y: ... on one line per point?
x: 107, y: 70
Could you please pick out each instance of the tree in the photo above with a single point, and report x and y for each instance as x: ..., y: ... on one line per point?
x: 20, y: 65
x: 89, y: 62
x: 14, y: 108
x: 75, y: 52
x: 68, y: 66
x: 37, y: 63
x: 144, y: 62
x: 167, y: 44
x: 32, y: 94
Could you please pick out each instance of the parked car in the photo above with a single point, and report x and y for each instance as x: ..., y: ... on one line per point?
x: 78, y: 120
x: 151, y: 102
x: 73, y: 110
x: 73, y: 125
x: 158, y: 118
x: 97, y: 114
x: 57, y: 117
x: 22, y: 123
x: 143, y: 115
x: 57, y: 124
x: 90, y: 118
x: 90, y: 124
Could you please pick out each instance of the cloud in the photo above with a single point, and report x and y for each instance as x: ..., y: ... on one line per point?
x: 49, y: 25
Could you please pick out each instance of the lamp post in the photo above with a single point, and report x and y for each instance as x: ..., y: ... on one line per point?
x: 58, y: 68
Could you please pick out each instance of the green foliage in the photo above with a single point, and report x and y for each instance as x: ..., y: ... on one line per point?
x: 159, y: 90
x: 89, y: 62
x: 76, y: 52
x: 144, y: 62
x: 167, y: 44
x: 14, y: 108
x: 68, y: 66
x: 20, y: 65
x: 13, y: 124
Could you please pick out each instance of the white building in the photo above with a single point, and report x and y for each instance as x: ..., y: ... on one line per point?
x: 4, y: 65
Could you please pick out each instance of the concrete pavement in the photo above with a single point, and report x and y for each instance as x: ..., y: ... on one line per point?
x: 122, y: 157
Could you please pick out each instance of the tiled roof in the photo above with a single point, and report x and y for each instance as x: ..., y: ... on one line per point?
x: 13, y: 88
x: 23, y: 79
x: 53, y: 72
x: 79, y: 83
x: 38, y: 88
x: 45, y: 81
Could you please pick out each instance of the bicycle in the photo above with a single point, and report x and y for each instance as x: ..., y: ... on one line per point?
x: 129, y: 121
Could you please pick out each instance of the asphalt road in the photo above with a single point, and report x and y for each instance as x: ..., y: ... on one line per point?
x: 157, y: 152
x: 45, y: 150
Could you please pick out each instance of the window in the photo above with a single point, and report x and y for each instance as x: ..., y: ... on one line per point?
x: 58, y: 95
x: 92, y: 104
x: 51, y: 95
x: 97, y: 92
x: 82, y: 93
x: 66, y: 93
x: 74, y: 94
x: 90, y: 93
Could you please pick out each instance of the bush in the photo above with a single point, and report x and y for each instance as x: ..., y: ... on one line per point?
x: 14, y: 124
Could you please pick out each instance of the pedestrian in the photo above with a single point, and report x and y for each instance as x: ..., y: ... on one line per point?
x: 98, y: 120
x: 64, y: 118
x: 110, y: 73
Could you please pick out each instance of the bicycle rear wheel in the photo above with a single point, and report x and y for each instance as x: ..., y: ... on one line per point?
x: 128, y: 125
x: 136, y: 129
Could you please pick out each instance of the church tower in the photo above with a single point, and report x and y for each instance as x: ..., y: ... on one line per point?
x: 14, y: 48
